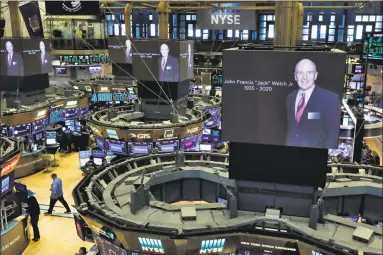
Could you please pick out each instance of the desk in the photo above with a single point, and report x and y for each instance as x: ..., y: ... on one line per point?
x: 14, y: 239
x: 30, y: 163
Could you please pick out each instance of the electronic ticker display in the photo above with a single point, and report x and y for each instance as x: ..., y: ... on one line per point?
x: 373, y: 47
x: 287, y: 99
x: 83, y: 59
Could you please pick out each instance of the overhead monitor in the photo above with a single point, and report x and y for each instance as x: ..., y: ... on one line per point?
x: 50, y: 137
x: 285, y: 98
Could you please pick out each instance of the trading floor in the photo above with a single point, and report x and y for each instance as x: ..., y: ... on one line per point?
x: 53, y: 228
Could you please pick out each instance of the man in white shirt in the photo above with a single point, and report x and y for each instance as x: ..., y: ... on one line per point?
x: 313, y: 113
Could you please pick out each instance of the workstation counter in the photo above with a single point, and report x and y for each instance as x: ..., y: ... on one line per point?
x: 31, y: 163
x: 14, y: 237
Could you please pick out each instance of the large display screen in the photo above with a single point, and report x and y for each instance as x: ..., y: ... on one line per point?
x: 164, y: 61
x: 100, y: 142
x: 39, y: 125
x: 282, y: 98
x: 56, y: 115
x: 72, y: 113
x: 120, y: 50
x: 83, y: 59
x: 20, y: 130
x: 6, y: 183
x: 373, y: 47
x: 116, y: 147
x: 24, y: 57
x: 167, y: 146
x: 190, y: 143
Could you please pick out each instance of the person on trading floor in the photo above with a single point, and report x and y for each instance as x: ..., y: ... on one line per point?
x: 81, y: 251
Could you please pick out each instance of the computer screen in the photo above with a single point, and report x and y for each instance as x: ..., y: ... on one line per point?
x: 20, y: 130
x: 167, y: 146
x: 205, y: 147
x: 38, y: 126
x: 39, y: 136
x: 51, y: 137
x: 115, y: 147
x: 112, y: 133
x: 190, y: 143
x: 100, y: 142
x: 139, y: 148
x: 98, y: 154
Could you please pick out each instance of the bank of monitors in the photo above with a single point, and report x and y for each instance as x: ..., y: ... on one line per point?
x: 167, y: 146
x: 282, y: 98
x: 116, y: 147
x: 24, y: 57
x: 139, y: 148
x: 73, y: 125
x: 20, y: 130
x: 163, y: 60
x: 51, y: 138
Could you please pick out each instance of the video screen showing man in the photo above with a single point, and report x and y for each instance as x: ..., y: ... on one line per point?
x: 283, y: 98
x: 13, y: 63
x: 313, y: 112
x: 169, y: 69
x: 128, y: 52
x: 45, y: 59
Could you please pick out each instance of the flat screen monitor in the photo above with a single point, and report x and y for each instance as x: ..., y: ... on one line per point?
x: 100, y: 142
x: 139, y: 148
x: 107, y: 248
x: 38, y: 126
x: 61, y: 70
x: 212, y: 122
x: 39, y: 136
x: 357, y: 68
x: 167, y: 146
x: 98, y: 154
x: 56, y: 115
x: 131, y: 91
x: 115, y: 147
x: 72, y: 113
x: 84, y: 110
x: 205, y: 147
x: 190, y: 143
x: 112, y: 133
x: 120, y: 96
x: 79, y: 222
x: 20, y: 130
x: 373, y: 47
x: 104, y: 97
x: 50, y: 137
x: 6, y: 183
x: 94, y: 69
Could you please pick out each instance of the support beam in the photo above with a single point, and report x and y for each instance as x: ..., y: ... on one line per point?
x: 286, y: 22
x: 300, y: 15
x: 15, y: 18
x: 163, y: 11
x: 127, y: 12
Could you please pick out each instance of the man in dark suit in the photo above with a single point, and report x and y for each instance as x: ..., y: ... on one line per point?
x: 128, y: 52
x: 13, y: 61
x: 169, y: 68
x: 190, y: 62
x: 313, y: 113
x: 45, y: 59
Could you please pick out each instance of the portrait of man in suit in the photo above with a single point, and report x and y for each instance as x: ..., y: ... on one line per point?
x: 45, y: 59
x: 190, y: 62
x: 313, y: 113
x: 13, y: 61
x: 128, y: 52
x: 168, y: 66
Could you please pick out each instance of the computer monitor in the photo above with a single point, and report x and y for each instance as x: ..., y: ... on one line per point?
x: 205, y: 147
x: 50, y: 138
x: 39, y: 136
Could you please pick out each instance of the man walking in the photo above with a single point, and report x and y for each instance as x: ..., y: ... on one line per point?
x: 57, y: 194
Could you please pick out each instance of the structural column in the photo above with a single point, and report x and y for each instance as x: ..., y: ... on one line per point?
x: 127, y: 12
x: 286, y: 23
x: 299, y: 29
x: 15, y: 18
x: 163, y: 11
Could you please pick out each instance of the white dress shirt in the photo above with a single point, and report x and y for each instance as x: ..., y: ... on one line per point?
x: 307, y: 97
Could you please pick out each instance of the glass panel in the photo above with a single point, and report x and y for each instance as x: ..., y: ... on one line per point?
x: 190, y: 30
x: 188, y: 17
x: 350, y: 38
x: 270, y: 33
x: 378, y: 25
x: 123, y: 32
x: 332, y: 19
x: 365, y: 18
x: 309, y: 18
x: 116, y: 29
x: 205, y: 36
x: 236, y: 33
x: 138, y: 32
x: 305, y: 31
x: 359, y: 32
x: 331, y: 31
x: 343, y: 20
x: 372, y: 18
x: 263, y: 24
x: 320, y: 18
x: 182, y: 17
x: 323, y: 32
x: 340, y: 34
x: 331, y: 38
x: 229, y: 33
x: 379, y: 18
x: 269, y: 17
x: 314, y: 32
x: 175, y: 36
x: 358, y: 18
x: 174, y: 20
x: 182, y: 36
x: 369, y: 28
x: 110, y: 29
x: 263, y: 17
x: 194, y: 17
x: 150, y: 17
x: 305, y: 37
x: 262, y: 37
x: 152, y: 29
x: 263, y: 31
x: 206, y: 31
x: 198, y: 33
x: 332, y: 24
x: 245, y: 35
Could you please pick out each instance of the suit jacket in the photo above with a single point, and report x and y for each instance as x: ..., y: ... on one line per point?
x: 172, y: 70
x: 17, y: 65
x: 46, y: 67
x: 128, y: 59
x: 319, y: 124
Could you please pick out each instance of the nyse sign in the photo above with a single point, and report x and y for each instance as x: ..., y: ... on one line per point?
x: 236, y: 20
